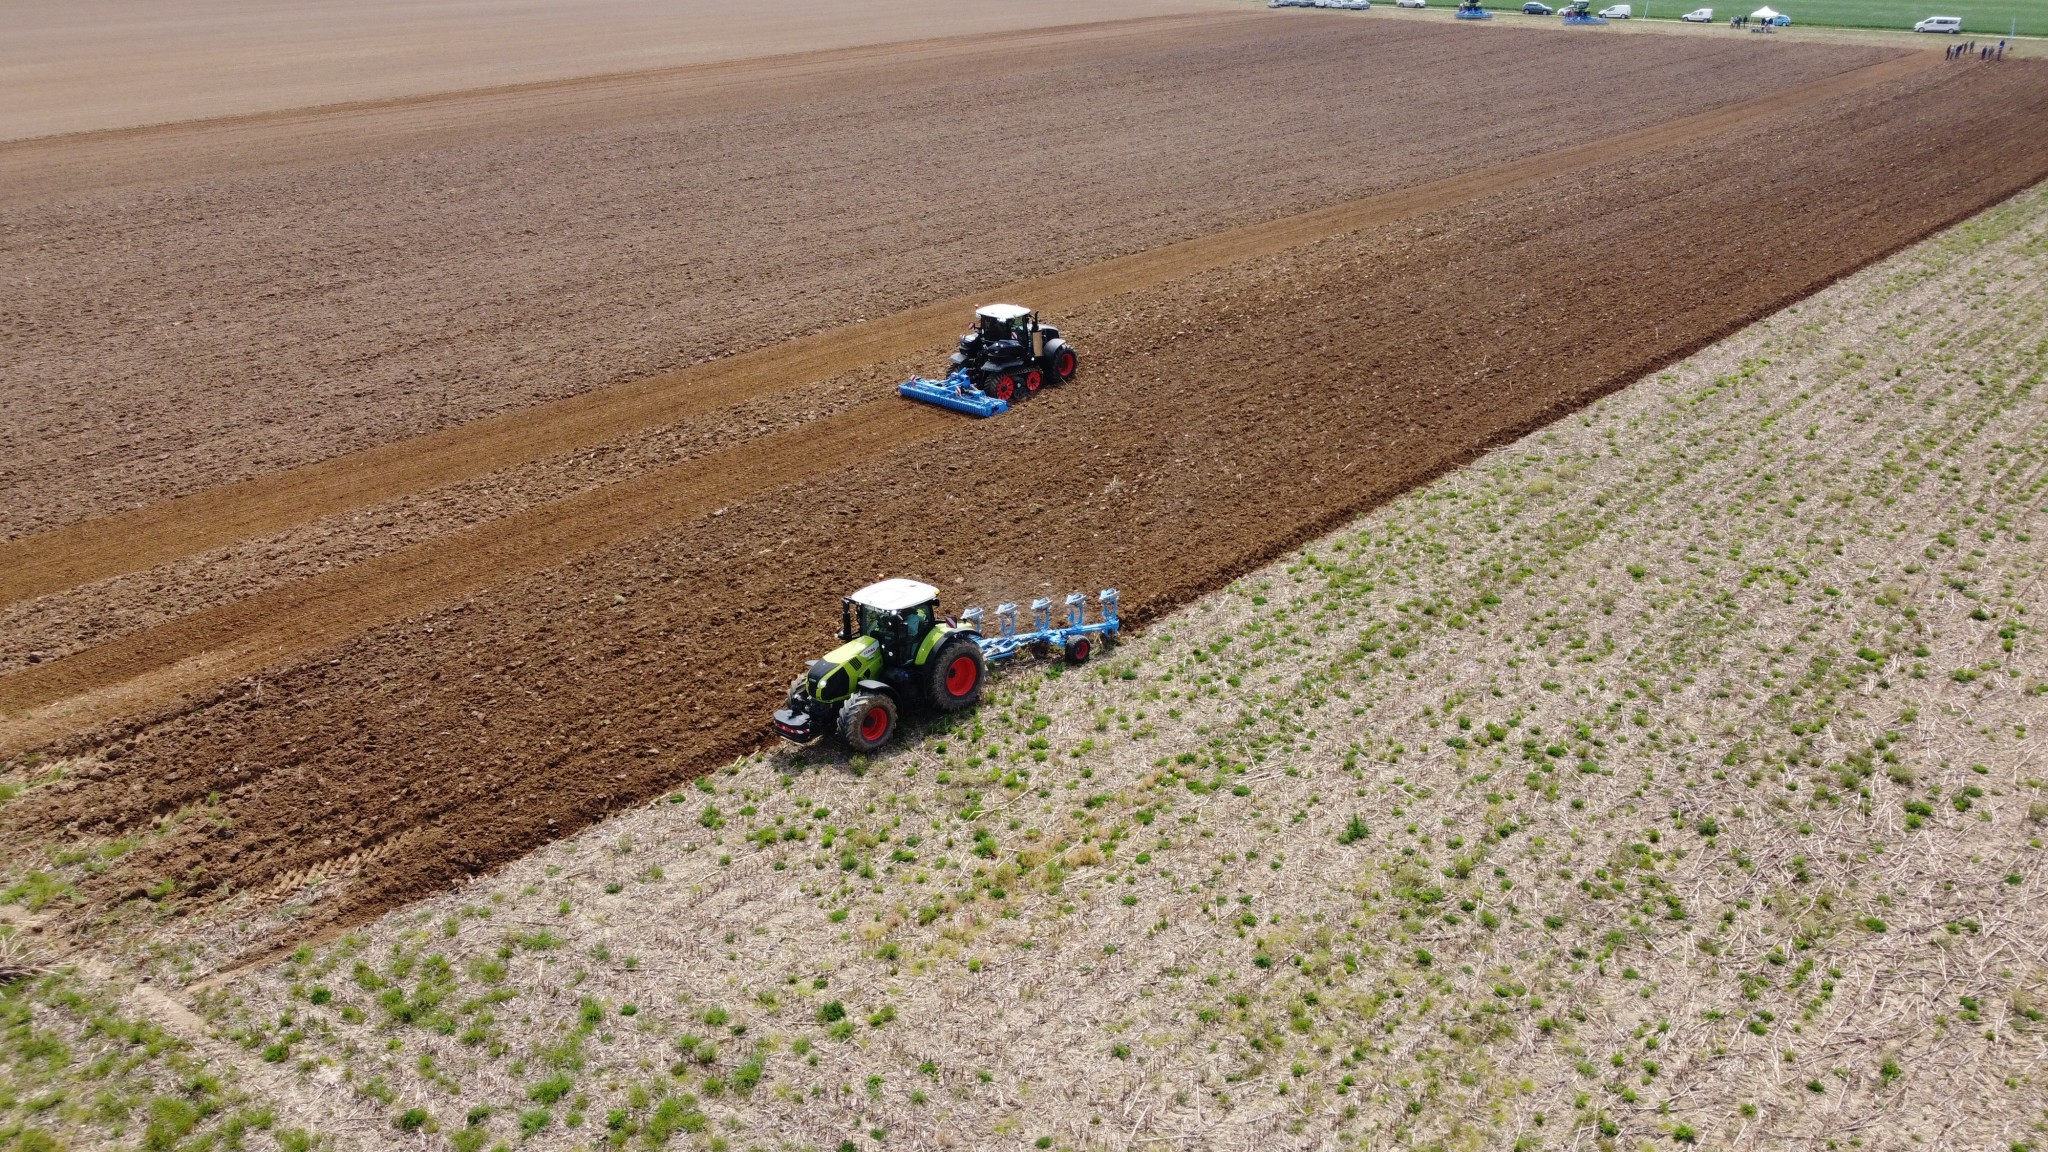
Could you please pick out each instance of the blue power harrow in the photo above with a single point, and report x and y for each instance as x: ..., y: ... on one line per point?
x: 956, y: 392
x: 1073, y: 635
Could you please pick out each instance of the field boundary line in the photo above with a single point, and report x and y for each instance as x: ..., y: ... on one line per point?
x: 138, y: 539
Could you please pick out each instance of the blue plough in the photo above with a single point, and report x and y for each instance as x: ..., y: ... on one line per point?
x: 1073, y: 636
x: 956, y: 392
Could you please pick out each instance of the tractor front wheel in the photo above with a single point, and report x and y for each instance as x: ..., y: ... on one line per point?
x: 866, y: 722
x: 954, y: 676
x: 1063, y: 363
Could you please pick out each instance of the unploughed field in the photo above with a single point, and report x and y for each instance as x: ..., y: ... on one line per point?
x: 364, y: 679
x: 396, y: 490
x: 1664, y: 778
x: 99, y: 65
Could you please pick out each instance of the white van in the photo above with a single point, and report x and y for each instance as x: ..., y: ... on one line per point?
x: 1699, y: 16
x: 1616, y: 12
x: 1950, y: 24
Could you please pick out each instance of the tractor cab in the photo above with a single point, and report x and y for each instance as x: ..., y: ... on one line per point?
x: 1003, y: 334
x: 896, y: 613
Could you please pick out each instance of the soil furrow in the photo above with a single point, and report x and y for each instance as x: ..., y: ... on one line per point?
x: 139, y: 539
x: 256, y: 632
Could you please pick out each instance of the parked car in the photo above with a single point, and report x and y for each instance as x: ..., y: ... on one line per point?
x: 1616, y: 12
x: 1411, y: 3
x: 1699, y: 16
x: 1537, y: 8
x: 1780, y: 21
x: 1949, y: 24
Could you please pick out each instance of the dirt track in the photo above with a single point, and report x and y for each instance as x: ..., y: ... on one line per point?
x: 1323, y: 379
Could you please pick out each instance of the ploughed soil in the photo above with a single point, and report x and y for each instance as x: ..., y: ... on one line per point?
x: 224, y: 300
x: 1220, y: 419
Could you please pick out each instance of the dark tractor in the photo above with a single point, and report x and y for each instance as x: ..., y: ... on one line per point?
x: 1009, y: 351
x: 895, y: 651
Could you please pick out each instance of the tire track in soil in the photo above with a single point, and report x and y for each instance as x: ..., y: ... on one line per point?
x: 133, y: 541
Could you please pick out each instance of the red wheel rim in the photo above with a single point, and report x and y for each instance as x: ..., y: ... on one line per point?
x: 1078, y: 649
x: 875, y: 724
x: 1066, y: 365
x: 961, y: 676
x: 1003, y: 388
x: 1032, y: 380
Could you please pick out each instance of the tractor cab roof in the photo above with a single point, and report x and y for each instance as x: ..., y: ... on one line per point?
x: 895, y: 595
x: 1002, y: 313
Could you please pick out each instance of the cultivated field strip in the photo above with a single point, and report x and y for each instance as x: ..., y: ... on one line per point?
x: 144, y: 668
x: 472, y: 734
x: 135, y: 540
x: 247, y: 317
x: 1668, y: 777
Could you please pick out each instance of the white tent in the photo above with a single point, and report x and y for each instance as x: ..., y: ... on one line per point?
x: 1764, y: 13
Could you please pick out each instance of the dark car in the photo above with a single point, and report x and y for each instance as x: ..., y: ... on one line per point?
x: 1535, y: 8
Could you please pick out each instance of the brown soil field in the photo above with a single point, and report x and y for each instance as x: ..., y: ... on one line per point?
x: 601, y: 649
x: 105, y: 64
x: 232, y: 313
x: 133, y: 542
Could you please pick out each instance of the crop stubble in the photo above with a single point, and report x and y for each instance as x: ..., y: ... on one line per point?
x: 1321, y: 381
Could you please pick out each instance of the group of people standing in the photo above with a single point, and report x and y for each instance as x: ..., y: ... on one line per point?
x: 1981, y: 51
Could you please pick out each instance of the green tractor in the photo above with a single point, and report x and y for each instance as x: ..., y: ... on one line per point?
x: 896, y: 652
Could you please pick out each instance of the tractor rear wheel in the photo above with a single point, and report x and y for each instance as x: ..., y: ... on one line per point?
x: 1033, y: 379
x: 953, y: 678
x: 1063, y: 363
x: 1003, y: 387
x: 866, y: 722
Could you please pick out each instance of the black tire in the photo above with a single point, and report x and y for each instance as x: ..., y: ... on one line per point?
x: 1079, y: 649
x: 954, y: 675
x: 1061, y: 362
x: 867, y: 721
